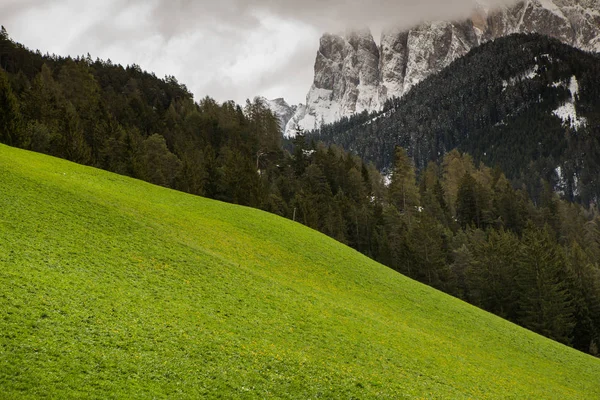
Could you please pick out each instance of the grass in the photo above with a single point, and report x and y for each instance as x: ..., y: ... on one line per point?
x: 114, y: 288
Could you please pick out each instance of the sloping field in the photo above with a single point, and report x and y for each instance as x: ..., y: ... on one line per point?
x: 114, y: 288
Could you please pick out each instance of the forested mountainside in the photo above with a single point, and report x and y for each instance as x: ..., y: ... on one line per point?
x: 526, y: 103
x: 460, y: 228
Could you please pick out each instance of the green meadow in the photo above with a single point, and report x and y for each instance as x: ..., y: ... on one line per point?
x: 115, y: 288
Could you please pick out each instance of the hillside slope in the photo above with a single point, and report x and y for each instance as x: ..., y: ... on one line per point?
x: 113, y: 287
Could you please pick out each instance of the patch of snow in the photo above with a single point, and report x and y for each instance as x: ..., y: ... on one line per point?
x: 529, y: 74
x: 384, y: 115
x: 567, y: 112
x: 576, y: 190
x: 320, y: 109
x: 532, y: 73
x: 574, y: 87
x: 560, y: 183
x: 387, y: 179
x: 547, y: 57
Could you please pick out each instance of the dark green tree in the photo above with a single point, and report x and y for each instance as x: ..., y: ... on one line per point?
x: 545, y: 305
x: 156, y: 163
x: 584, y: 285
x: 491, y: 276
x: 403, y: 191
x: 467, y: 209
x: 11, y: 127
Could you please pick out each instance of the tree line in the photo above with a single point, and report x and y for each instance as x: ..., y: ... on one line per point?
x: 456, y: 225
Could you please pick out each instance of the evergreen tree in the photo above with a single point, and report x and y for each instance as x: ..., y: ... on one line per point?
x: 403, y: 191
x: 545, y: 304
x: 238, y: 180
x: 467, y: 208
x: 491, y: 274
x: 156, y: 163
x: 73, y: 146
x: 584, y: 286
x: 427, y: 245
x: 11, y: 131
x: 455, y: 166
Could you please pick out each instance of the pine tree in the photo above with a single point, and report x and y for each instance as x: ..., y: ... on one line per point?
x: 426, y: 241
x: 403, y: 191
x: 584, y: 285
x: 73, y: 145
x: 239, y: 181
x: 491, y: 276
x: 11, y: 130
x: 455, y: 165
x: 545, y: 304
x: 467, y: 209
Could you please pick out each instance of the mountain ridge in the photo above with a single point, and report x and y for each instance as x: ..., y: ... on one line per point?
x: 353, y: 73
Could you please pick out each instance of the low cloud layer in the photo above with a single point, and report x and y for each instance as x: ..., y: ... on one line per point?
x: 228, y: 49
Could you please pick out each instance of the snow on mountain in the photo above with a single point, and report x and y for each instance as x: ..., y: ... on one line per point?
x: 530, y: 74
x: 353, y: 73
x: 567, y: 112
x: 346, y: 81
x: 282, y: 110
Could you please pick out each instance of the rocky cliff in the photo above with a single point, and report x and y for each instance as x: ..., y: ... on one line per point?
x: 353, y: 73
x: 281, y: 109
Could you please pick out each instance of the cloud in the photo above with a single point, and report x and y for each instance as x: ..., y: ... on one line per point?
x: 228, y: 49
x: 324, y: 15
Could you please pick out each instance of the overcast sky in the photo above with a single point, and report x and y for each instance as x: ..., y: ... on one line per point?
x: 227, y: 49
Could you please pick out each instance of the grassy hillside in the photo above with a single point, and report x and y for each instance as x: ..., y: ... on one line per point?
x: 114, y: 288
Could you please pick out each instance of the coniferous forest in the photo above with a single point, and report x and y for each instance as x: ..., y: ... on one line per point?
x: 497, y: 103
x: 453, y: 223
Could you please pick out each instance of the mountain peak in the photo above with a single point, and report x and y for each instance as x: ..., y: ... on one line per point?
x: 354, y: 74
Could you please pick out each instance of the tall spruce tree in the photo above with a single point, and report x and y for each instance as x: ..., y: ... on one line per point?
x: 545, y: 305
x: 11, y: 131
x: 467, y: 207
x: 492, y: 275
x: 403, y: 191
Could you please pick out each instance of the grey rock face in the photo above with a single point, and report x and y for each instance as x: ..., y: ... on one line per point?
x: 353, y: 74
x: 346, y: 80
x: 280, y: 108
